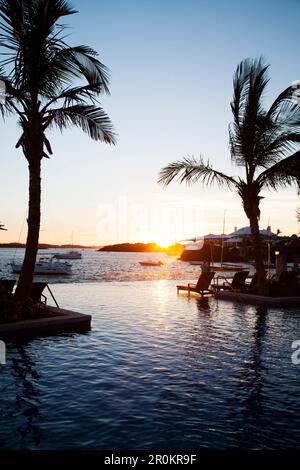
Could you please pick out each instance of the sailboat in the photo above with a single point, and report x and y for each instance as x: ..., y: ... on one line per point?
x: 68, y: 255
x: 72, y: 254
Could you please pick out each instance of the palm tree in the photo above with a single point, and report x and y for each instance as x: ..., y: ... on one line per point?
x: 262, y: 142
x: 48, y: 84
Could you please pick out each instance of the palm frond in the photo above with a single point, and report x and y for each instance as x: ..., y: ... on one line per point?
x: 249, y: 83
x: 73, y: 95
x: 80, y: 62
x: 258, y: 138
x: 42, y: 68
x: 191, y: 170
x: 282, y: 99
x: 274, y: 144
x: 284, y: 173
x: 37, y: 53
x: 91, y: 119
x: 283, y: 144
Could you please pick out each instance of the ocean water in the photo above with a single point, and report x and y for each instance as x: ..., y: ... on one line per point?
x: 104, y: 266
x: 107, y: 266
x: 156, y: 370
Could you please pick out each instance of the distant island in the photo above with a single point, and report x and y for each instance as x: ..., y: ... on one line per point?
x: 45, y: 246
x: 173, y: 250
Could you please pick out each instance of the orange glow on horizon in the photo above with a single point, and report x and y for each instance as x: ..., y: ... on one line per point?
x: 163, y: 241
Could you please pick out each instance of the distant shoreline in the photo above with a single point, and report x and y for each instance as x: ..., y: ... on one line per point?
x: 175, y: 249
x: 142, y: 248
x: 46, y: 246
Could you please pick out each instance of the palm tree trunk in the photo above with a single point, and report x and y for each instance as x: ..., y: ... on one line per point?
x: 258, y: 258
x: 34, y: 217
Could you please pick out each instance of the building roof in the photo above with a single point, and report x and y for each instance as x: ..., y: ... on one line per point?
x: 209, y: 236
x: 247, y: 231
x: 233, y: 237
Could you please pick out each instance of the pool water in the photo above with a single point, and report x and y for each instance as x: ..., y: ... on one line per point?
x: 157, y: 370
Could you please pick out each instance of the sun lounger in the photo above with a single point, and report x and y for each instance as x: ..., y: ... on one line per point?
x: 202, y: 286
x: 237, y: 283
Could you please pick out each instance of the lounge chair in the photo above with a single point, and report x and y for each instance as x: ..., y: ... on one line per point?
x: 7, y: 285
x: 237, y: 283
x: 202, y: 286
x: 253, y: 283
x: 37, y: 295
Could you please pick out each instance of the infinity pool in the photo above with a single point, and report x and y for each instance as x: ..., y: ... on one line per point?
x: 157, y: 371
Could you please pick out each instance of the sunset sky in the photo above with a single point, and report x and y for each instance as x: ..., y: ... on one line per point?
x: 171, y: 64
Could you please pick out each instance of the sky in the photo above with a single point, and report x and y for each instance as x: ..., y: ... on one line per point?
x: 171, y: 64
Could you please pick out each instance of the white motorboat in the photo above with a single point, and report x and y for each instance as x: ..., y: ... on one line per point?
x: 151, y: 263
x: 46, y: 266
x: 68, y: 255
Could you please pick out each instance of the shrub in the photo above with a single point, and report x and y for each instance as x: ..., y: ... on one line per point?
x: 11, y: 311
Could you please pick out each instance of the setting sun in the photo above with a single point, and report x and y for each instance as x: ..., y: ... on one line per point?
x: 163, y: 241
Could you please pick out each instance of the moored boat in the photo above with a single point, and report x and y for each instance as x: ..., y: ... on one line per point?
x: 45, y: 266
x: 151, y: 263
x: 68, y: 255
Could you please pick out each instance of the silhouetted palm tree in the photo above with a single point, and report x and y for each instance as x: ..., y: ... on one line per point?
x: 48, y: 84
x: 261, y: 141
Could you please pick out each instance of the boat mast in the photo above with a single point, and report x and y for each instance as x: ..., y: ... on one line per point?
x: 269, y: 247
x: 223, y: 231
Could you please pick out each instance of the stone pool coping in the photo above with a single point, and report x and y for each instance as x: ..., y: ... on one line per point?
x: 65, y: 321
x: 258, y: 299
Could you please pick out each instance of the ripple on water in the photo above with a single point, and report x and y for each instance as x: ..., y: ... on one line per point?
x: 157, y: 370
x: 110, y: 267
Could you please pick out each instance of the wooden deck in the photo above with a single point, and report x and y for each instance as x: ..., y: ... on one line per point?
x: 62, y: 321
x: 258, y: 299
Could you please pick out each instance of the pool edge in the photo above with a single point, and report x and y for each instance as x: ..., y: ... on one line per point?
x: 68, y: 321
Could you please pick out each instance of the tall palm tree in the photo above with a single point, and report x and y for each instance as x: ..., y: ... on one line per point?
x: 262, y: 142
x: 48, y: 83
